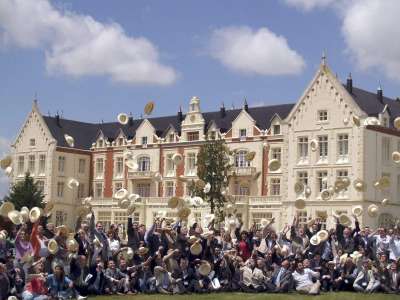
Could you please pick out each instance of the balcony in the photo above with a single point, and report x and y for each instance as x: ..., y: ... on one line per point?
x: 141, y: 175
x: 257, y: 200
x: 244, y: 171
x: 143, y: 200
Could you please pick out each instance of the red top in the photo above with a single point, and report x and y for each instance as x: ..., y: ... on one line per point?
x: 36, y: 285
x: 35, y: 240
x: 244, y: 250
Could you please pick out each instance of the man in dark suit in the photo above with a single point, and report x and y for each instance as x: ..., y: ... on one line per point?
x: 96, y: 280
x: 97, y: 231
x: 282, y: 280
x: 135, y: 236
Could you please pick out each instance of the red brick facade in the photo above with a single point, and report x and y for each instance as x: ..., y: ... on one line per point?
x: 180, y: 171
x: 108, y: 174
x: 264, y: 179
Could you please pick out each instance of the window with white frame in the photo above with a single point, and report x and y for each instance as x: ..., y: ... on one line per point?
x: 385, y: 149
x: 322, y: 115
x: 322, y: 183
x: 144, y: 140
x: 276, y: 129
x: 171, y: 137
x: 105, y: 218
x: 60, y: 189
x: 120, y: 141
x: 275, y: 187
x: 242, y: 133
x: 119, y: 166
x: 31, y: 164
x: 100, y: 143
x: 257, y: 216
x: 61, y: 164
x: 99, y: 167
x: 242, y: 189
x: 42, y: 164
x: 212, y: 135
x: 169, y: 189
x: 276, y: 153
x: 61, y: 217
x: 136, y: 217
x: 240, y: 159
x: 323, y: 147
x: 40, y: 185
x: 144, y: 163
x: 98, y: 189
x: 32, y: 142
x: 143, y: 189
x: 191, y: 164
x: 385, y: 122
x: 340, y: 174
x: 302, y: 217
x: 169, y: 165
x: 302, y: 146
x: 81, y: 190
x: 193, y: 136
x: 21, y: 167
x: 117, y: 186
x: 82, y: 165
x: 343, y: 146
x: 302, y: 177
x: 322, y: 215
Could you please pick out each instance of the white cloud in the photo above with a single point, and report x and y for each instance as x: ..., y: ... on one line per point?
x: 308, y: 5
x: 78, y: 45
x: 4, y: 150
x: 371, y: 31
x: 259, y: 52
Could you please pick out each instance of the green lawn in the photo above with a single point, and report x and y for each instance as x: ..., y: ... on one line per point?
x: 261, y: 296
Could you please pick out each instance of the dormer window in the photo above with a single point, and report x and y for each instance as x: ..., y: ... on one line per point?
x: 323, y: 115
x: 120, y: 141
x: 242, y: 134
x: 212, y: 135
x: 144, y: 140
x: 100, y: 143
x: 171, y: 138
x: 32, y: 142
x: 385, y: 122
x: 276, y: 129
x: 193, y: 136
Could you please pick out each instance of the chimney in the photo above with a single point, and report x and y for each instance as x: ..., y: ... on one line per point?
x: 130, y: 120
x: 180, y: 114
x: 222, y: 111
x: 397, y: 99
x: 58, y: 122
x: 349, y: 84
x: 379, y: 94
x: 245, y: 107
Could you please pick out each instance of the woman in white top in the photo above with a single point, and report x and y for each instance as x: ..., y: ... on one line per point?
x: 114, y: 244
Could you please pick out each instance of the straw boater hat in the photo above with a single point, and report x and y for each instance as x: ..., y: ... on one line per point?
x: 325, y: 194
x: 70, y: 140
x: 27, y: 258
x: 143, y: 251
x: 62, y: 229
x: 197, y: 201
x: 344, y: 220
x: 323, y: 235
x: 173, y: 202
x: 123, y: 203
x: 396, y: 156
x: 359, y: 185
x: 72, y: 245
x: 357, y: 210
x: 207, y: 188
x: 157, y: 177
x: 148, y: 109
x: 52, y: 246
x: 5, y: 208
x: 274, y: 165
x: 356, y: 256
x: 343, y: 258
x: 356, y: 121
x: 73, y: 183
x: 127, y: 253
x: 315, y: 240
x: 250, y: 155
x: 314, y: 145
x: 307, y: 191
x: 131, y: 164
x: 396, y: 123
x: 34, y: 214
x: 8, y: 171
x: 15, y: 217
x: 204, y: 268
x: 6, y: 162
x: 123, y: 118
x: 373, y: 210
x: 196, y: 248
x: 300, y: 203
x: 298, y: 187
x: 385, y: 202
x: 382, y: 183
x: 131, y: 208
x: 25, y: 214
x: 200, y: 184
x: 339, y: 184
x: 263, y: 222
x: 372, y: 121
x: 184, y: 212
x: 256, y: 175
x: 192, y: 239
x: 177, y: 158
x: 121, y: 194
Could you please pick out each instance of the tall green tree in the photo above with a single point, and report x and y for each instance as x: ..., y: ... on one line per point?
x: 213, y: 166
x: 26, y: 193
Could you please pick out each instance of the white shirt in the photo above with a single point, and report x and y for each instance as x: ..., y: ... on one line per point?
x: 394, y: 248
x: 114, y: 245
x: 304, y: 279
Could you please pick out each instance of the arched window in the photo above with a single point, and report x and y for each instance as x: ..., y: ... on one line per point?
x: 386, y: 220
x: 144, y: 163
x: 240, y: 159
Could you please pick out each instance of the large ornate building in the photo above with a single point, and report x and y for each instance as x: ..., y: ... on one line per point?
x: 323, y: 114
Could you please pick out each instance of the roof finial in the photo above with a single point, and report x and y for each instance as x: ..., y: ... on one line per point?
x: 323, y: 58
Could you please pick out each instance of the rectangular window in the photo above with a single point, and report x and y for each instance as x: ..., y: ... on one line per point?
x: 169, y: 165
x: 40, y: 185
x: 242, y: 190
x: 339, y: 175
x: 136, y: 217
x: 42, y: 164
x: 323, y: 115
x: 81, y: 190
x: 343, y: 146
x: 119, y: 167
x: 302, y: 217
x: 143, y: 189
x: 82, y: 165
x: 99, y: 167
x: 302, y: 177
x: 276, y: 153
x: 385, y: 149
x: 275, y: 186
x: 105, y: 218
x: 144, y: 163
x: 60, y: 189
x: 32, y: 142
x: 31, y: 164
x: 61, y: 164
x: 144, y: 140
x: 99, y: 190
x: 260, y: 215
x: 193, y: 136
x: 322, y: 182
x: 302, y: 146
x: 120, y: 141
x: 171, y: 137
x: 100, y: 143
x: 191, y: 164
x: 242, y: 134
x: 240, y: 159
x: 322, y: 215
x: 117, y: 186
x: 212, y: 135
x: 21, y: 166
x: 61, y: 218
x: 276, y: 129
x: 323, y: 147
x: 169, y: 189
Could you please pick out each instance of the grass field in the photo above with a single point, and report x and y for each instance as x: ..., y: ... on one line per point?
x: 261, y: 296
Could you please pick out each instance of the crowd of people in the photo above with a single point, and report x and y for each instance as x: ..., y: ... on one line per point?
x: 39, y: 261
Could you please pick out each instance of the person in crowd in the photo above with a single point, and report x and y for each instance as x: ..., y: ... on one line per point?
x: 366, y: 281
x: 303, y: 278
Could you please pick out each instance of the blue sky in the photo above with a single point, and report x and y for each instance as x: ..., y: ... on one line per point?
x: 190, y: 44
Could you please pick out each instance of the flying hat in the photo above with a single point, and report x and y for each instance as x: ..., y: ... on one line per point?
x: 323, y: 235
x: 63, y: 230
x: 256, y: 175
x: 197, y: 201
x: 315, y: 240
x: 357, y: 210
x: 73, y: 183
x: 25, y: 214
x: 207, y: 188
x: 184, y: 212
x: 123, y: 118
x: 307, y: 191
x: 196, y: 248
x: 274, y: 165
x: 298, y: 187
x: 356, y: 121
x: 192, y: 239
x: 343, y: 258
x: 83, y: 211
x: 148, y: 109
x: 6, y: 162
x: 339, y: 185
x: 131, y: 208
x: 8, y: 170
x: 143, y: 251
x: 372, y: 121
x: 250, y: 155
x: 5, y: 208
x: 359, y: 185
x: 15, y: 217
x: 121, y: 194
x: 385, y: 202
x: 300, y: 203
x: 207, y: 233
x: 382, y: 183
x: 396, y: 123
x: 325, y: 194
x: 97, y: 242
x: 157, y: 177
x: 72, y: 245
x: 314, y: 145
x: 204, y: 268
x: 173, y: 202
x: 131, y: 164
x: 127, y: 253
x: 373, y: 210
x: 396, y: 156
x: 124, y: 203
x: 344, y: 220
x: 34, y: 214
x: 177, y: 158
x: 346, y: 181
x: 52, y: 246
x: 346, y: 120
x: 70, y: 140
x: 264, y: 222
